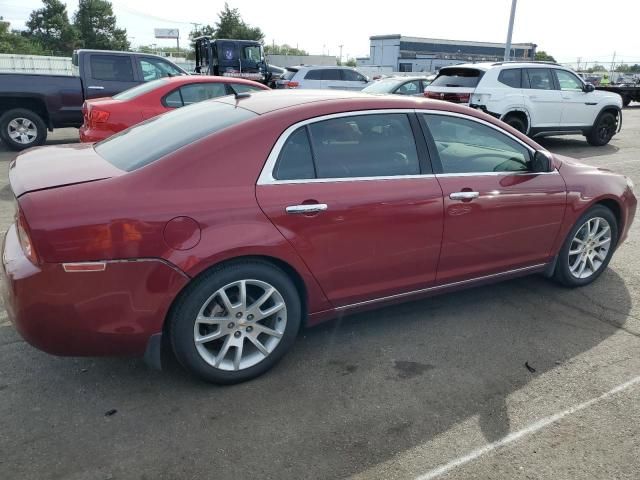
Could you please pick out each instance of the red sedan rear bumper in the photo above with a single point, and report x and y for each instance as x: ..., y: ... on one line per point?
x: 110, y: 312
x: 88, y: 135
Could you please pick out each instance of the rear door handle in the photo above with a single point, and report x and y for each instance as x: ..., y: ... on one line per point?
x: 306, y: 208
x: 95, y: 87
x: 464, y: 195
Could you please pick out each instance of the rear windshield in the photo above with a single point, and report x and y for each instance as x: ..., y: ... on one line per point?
x: 288, y: 75
x: 139, y: 89
x: 457, y: 77
x: 151, y: 140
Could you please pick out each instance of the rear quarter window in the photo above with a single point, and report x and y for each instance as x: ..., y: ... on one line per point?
x: 457, y: 77
x: 151, y: 140
x: 511, y: 77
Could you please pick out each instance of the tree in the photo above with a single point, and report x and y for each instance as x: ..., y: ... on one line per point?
x: 231, y: 25
x: 11, y: 41
x: 596, y: 68
x: 50, y: 27
x: 96, y: 26
x: 623, y: 68
x: 543, y: 56
x: 283, y: 49
x: 205, y: 31
x: 634, y: 68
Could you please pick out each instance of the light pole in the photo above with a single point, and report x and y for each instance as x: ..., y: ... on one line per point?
x: 507, y: 47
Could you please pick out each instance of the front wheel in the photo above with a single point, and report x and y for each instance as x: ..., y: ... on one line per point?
x: 234, y: 323
x: 588, y: 248
x: 603, y: 130
x: 21, y: 128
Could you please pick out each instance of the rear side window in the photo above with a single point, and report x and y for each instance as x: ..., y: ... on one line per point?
x: 457, y: 77
x: 151, y: 140
x: 313, y: 75
x: 353, y: 76
x: 364, y: 146
x: 295, y: 161
x: 199, y: 92
x: 540, y: 79
x: 114, y: 68
x: 511, y: 77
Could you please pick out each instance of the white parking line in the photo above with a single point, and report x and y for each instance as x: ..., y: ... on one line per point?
x: 515, y: 436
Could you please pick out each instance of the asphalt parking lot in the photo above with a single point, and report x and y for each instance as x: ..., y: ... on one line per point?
x: 522, y: 379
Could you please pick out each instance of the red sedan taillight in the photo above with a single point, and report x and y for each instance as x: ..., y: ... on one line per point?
x: 98, y: 116
x: 25, y: 238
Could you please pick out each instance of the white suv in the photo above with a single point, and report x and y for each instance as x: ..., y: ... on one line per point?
x: 309, y: 76
x: 537, y: 99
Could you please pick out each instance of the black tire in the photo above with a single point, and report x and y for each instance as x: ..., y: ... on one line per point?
x: 516, y: 122
x: 182, y: 320
x: 15, y: 115
x: 626, y: 100
x: 603, y: 130
x: 562, y: 272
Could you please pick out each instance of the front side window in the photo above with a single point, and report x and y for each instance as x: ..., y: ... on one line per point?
x: 540, y: 78
x: 568, y: 81
x: 153, y: 69
x: 409, y: 88
x: 252, y: 53
x: 199, y: 92
x: 364, y: 146
x: 511, y: 77
x: 113, y: 68
x: 467, y: 146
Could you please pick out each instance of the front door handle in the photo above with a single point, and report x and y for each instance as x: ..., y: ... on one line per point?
x: 306, y: 208
x: 95, y: 87
x: 464, y: 195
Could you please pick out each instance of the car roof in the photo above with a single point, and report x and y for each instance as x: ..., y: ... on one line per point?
x: 266, y: 102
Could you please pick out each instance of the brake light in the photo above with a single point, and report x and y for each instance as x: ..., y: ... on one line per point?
x: 25, y: 238
x: 454, y: 97
x: 291, y: 84
x: 98, y: 116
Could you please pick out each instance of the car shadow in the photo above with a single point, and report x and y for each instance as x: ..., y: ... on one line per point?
x: 352, y: 393
x: 576, y: 147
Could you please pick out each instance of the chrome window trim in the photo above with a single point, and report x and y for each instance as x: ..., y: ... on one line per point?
x: 266, y: 174
x: 494, y: 174
x: 538, y: 266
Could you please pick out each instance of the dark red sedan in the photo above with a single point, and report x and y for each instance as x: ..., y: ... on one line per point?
x: 225, y: 226
x: 105, y: 116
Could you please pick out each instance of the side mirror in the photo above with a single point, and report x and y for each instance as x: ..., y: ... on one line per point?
x: 588, y: 88
x: 541, y: 162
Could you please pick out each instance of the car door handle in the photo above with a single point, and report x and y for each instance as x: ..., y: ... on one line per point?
x: 464, y: 195
x: 95, y: 87
x: 306, y: 208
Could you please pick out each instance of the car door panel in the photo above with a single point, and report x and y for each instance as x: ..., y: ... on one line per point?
x: 108, y: 75
x: 376, y: 237
x: 577, y: 109
x: 543, y: 100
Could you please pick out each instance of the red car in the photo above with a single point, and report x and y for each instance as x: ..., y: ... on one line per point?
x: 105, y: 116
x: 225, y: 226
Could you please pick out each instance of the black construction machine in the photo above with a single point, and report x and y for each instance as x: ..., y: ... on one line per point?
x: 232, y: 58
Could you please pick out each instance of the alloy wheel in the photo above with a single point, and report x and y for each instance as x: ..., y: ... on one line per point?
x: 606, y: 129
x: 240, y: 325
x: 22, y: 130
x: 589, y: 248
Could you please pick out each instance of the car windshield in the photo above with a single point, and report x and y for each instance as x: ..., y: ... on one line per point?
x: 151, y: 140
x: 457, y: 77
x: 382, y: 86
x: 252, y: 53
x: 141, y: 89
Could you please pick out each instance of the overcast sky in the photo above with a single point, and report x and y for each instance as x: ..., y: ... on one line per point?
x: 567, y: 29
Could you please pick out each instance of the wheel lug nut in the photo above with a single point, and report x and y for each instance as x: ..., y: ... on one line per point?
x: 239, y: 315
x: 249, y: 317
x: 231, y: 325
x: 249, y: 329
x: 237, y: 334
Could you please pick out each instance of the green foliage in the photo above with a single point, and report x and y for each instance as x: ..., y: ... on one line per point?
x: 96, y: 26
x: 596, y: 68
x: 350, y: 62
x: 49, y: 26
x: 283, y: 49
x: 543, y: 56
x: 204, y: 31
x: 14, y: 42
x: 231, y: 25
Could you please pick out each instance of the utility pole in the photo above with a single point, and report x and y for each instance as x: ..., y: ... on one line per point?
x: 613, y: 62
x: 341, y: 53
x: 507, y: 47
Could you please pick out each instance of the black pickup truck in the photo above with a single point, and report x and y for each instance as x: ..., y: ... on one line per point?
x: 32, y: 104
x: 628, y: 91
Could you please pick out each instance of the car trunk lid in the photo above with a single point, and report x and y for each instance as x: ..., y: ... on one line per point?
x: 57, y: 166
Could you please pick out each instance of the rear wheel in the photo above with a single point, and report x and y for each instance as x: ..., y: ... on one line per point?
x: 588, y: 248
x: 236, y: 322
x: 517, y: 122
x: 603, y: 130
x: 21, y: 128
